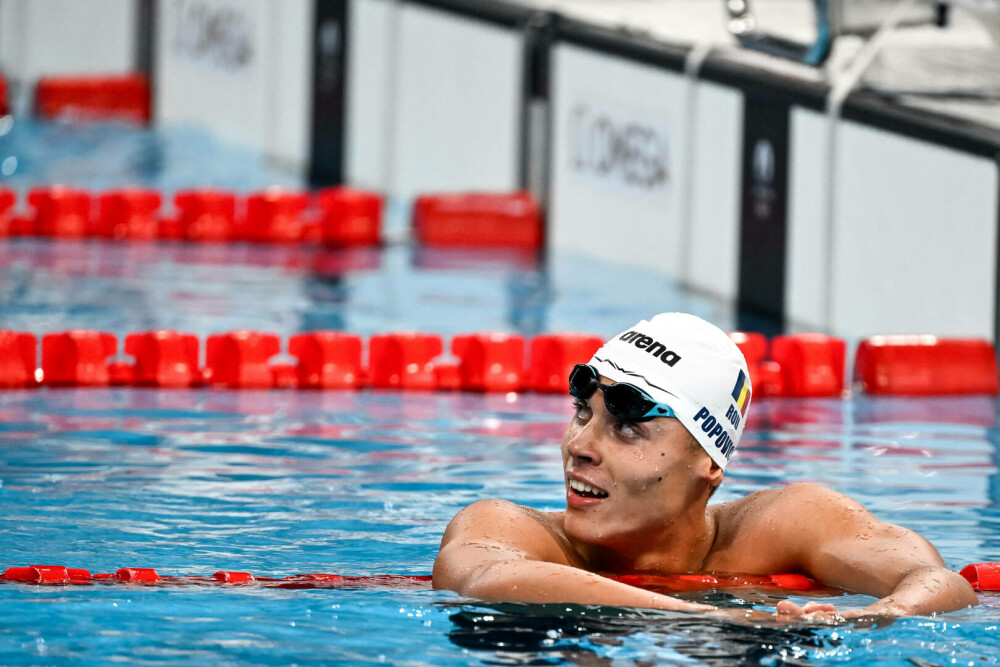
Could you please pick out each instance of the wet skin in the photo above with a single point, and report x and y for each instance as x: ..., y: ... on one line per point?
x: 644, y: 509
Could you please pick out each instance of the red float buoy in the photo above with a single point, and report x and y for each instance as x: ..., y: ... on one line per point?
x: 403, y: 360
x: 60, y: 211
x: 490, y: 362
x: 327, y: 360
x: 553, y: 357
x: 478, y: 219
x: 350, y: 217
x: 812, y: 364
x: 275, y: 216
x: 18, y: 352
x: 129, y: 213
x: 77, y: 358
x: 239, y: 359
x: 926, y: 365
x: 206, y: 215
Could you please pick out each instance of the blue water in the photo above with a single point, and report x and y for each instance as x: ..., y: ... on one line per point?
x: 280, y: 483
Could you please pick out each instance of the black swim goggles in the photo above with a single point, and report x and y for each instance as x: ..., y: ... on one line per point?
x: 623, y: 400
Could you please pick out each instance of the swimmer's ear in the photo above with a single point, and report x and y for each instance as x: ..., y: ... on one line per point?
x: 715, y: 474
x: 711, y: 472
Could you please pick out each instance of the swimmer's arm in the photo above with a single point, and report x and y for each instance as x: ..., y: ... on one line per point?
x: 493, y: 550
x: 851, y: 549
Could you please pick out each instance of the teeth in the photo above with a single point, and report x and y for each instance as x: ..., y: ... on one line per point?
x: 583, y: 487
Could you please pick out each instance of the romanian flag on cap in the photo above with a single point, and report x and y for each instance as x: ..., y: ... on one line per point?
x: 741, y: 393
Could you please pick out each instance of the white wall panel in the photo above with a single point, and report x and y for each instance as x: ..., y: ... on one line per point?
x: 618, y: 148
x: 915, y: 237
x: 806, y: 263
x: 713, y: 265
x: 218, y: 83
x: 40, y: 37
x: 290, y: 82
x: 457, y: 104
x: 240, y: 68
x: 370, y: 92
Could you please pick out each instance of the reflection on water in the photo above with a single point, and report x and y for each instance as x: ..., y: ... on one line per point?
x: 573, y: 634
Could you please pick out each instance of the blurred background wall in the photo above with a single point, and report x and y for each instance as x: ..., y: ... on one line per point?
x: 821, y: 195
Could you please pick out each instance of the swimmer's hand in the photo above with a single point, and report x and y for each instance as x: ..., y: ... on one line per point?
x: 824, y: 612
x: 816, y: 612
x: 810, y: 610
x: 819, y: 613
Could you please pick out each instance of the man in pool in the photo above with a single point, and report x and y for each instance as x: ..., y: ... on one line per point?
x: 659, y: 411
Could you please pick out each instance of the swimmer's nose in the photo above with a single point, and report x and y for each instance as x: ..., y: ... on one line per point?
x: 583, y: 446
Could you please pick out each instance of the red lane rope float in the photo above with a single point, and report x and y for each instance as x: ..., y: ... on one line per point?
x: 338, y: 216
x: 4, y: 110
x: 982, y: 577
x: 77, y: 358
x: 17, y: 359
x: 349, y: 217
x: 57, y: 574
x: 553, y: 357
x: 404, y: 360
x: 164, y: 359
x: 698, y: 582
x: 239, y: 360
x: 489, y: 361
x: 327, y: 360
x: 129, y: 213
x: 478, y: 219
x: 7, y: 200
x: 276, y: 215
x: 60, y: 212
x: 206, y: 215
x: 925, y: 365
x: 810, y: 364
x: 123, y: 97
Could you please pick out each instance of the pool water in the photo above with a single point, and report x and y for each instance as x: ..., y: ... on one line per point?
x: 282, y: 483
x: 279, y: 483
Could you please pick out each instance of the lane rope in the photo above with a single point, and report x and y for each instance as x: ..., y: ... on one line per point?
x: 982, y: 577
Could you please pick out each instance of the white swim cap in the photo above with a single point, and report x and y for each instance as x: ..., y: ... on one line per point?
x: 690, y: 365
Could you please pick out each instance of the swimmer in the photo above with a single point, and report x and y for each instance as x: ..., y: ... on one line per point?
x: 659, y: 411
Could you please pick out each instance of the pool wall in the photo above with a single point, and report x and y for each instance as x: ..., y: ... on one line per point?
x: 716, y: 165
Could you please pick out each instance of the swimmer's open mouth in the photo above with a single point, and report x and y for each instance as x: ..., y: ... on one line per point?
x: 586, y: 490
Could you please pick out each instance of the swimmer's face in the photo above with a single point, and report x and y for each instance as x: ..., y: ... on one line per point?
x: 641, y: 475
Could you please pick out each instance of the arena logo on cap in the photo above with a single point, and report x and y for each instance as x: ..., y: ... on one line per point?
x: 651, y: 346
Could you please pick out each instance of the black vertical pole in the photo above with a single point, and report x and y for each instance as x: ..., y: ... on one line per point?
x: 330, y: 42
x: 145, y: 36
x: 536, y: 112
x: 764, y: 215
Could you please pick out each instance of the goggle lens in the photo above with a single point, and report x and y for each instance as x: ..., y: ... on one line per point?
x: 623, y: 400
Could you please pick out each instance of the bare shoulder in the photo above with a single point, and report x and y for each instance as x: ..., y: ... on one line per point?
x: 497, y: 515
x: 767, y: 530
x: 507, y: 526
x: 788, y: 503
